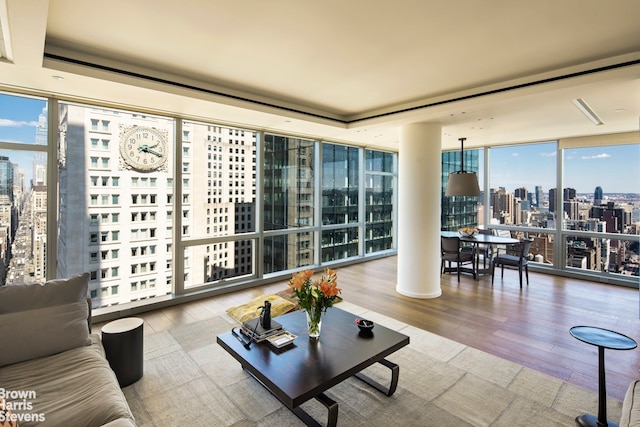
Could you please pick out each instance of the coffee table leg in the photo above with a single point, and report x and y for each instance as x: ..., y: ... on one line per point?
x: 395, y: 374
x: 330, y: 404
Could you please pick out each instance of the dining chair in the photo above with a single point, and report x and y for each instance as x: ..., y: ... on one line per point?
x: 521, y: 261
x: 484, y: 249
x: 451, y: 252
x: 481, y: 249
x: 501, y: 233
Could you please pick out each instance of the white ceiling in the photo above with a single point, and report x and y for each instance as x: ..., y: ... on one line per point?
x: 493, y: 71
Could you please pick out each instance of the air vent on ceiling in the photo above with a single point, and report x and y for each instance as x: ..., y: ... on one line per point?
x: 588, y: 111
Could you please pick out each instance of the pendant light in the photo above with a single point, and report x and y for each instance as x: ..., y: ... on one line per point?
x: 462, y: 183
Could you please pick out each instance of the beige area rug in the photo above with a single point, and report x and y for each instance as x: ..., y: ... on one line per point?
x: 189, y: 380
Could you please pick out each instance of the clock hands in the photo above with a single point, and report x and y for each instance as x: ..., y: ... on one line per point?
x: 148, y: 149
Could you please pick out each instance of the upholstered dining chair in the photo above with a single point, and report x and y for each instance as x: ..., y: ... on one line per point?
x: 451, y: 252
x: 482, y: 249
x: 501, y: 233
x: 521, y: 261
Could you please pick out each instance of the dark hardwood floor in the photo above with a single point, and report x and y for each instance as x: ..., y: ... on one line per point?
x: 528, y: 326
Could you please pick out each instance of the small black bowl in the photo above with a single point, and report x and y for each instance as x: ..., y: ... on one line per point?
x: 366, y: 326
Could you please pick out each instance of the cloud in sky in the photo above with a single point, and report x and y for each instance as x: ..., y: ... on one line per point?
x: 17, y: 123
x: 597, y: 156
x: 515, y: 154
x: 550, y: 154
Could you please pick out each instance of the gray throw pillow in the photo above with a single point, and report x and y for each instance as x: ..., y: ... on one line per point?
x: 38, y: 320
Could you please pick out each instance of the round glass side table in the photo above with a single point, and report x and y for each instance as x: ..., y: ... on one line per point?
x: 602, y: 338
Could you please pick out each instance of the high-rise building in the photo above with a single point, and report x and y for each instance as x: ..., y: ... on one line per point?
x: 38, y: 222
x: 504, y: 206
x: 539, y: 202
x: 8, y: 187
x: 618, y: 219
x: 572, y: 209
x: 458, y: 212
x: 288, y: 202
x: 521, y: 193
x: 597, y: 196
x: 116, y: 181
x: 6, y: 177
x: 219, y: 190
x: 568, y: 194
x: 112, y: 211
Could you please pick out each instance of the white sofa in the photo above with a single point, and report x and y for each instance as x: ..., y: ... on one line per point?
x: 53, y: 372
x: 631, y: 406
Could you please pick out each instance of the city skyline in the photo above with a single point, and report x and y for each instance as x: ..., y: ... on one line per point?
x: 584, y: 168
x: 19, y: 119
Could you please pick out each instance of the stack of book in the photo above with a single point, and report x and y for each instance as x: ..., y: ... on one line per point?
x: 254, y: 330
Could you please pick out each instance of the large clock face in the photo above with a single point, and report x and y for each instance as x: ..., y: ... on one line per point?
x: 143, y: 148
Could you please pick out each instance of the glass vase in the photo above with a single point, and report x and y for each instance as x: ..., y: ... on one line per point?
x: 314, y: 322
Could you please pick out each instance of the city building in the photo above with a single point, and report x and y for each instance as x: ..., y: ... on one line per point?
x: 597, y: 196
x: 129, y: 202
x: 539, y: 202
x: 458, y: 212
x: 505, y: 208
x: 617, y: 219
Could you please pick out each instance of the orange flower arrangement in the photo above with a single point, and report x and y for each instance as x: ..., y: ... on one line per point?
x: 315, y: 296
x: 320, y: 293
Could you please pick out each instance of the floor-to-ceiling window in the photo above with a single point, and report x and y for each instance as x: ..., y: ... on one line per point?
x: 23, y: 189
x: 340, y: 202
x: 218, y: 193
x: 522, y: 193
x: 380, y: 178
x: 159, y: 205
x: 461, y: 211
x: 289, y: 203
x: 602, y: 207
x: 591, y: 225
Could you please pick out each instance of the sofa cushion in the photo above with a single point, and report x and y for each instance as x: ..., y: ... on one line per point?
x: 252, y: 309
x: 630, y: 416
x: 38, y: 320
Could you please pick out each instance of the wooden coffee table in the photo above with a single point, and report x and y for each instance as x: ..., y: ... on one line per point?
x: 307, y: 368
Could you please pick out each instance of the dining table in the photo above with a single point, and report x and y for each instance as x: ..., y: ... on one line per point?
x: 478, y: 239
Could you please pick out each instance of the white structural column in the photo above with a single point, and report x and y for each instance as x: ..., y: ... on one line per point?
x: 419, y: 187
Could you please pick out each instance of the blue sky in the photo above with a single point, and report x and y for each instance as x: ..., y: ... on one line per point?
x: 614, y: 168
x: 19, y: 118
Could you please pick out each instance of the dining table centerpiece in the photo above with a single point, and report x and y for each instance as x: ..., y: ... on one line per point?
x: 315, y: 296
x: 468, y: 231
